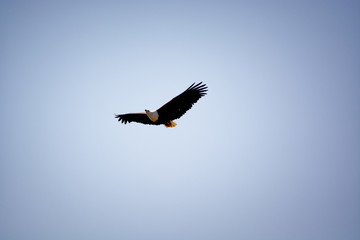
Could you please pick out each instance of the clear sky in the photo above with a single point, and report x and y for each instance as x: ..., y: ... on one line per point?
x: 271, y: 153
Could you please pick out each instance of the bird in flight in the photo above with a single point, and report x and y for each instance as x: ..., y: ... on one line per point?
x: 174, y: 109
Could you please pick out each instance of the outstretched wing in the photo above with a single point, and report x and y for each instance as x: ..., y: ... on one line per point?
x: 180, y: 104
x: 134, y: 117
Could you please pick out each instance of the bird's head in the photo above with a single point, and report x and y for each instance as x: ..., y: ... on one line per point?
x: 147, y: 111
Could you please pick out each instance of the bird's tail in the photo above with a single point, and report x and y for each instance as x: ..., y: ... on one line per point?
x: 170, y: 124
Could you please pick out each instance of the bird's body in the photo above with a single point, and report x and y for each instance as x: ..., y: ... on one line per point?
x: 174, y: 109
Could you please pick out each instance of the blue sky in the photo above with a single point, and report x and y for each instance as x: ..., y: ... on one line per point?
x: 272, y: 152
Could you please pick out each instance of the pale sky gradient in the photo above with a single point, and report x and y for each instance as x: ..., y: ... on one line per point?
x: 271, y: 153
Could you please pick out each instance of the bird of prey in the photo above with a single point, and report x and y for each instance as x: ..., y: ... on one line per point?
x: 174, y: 109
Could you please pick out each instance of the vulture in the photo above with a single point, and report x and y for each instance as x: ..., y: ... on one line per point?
x: 170, y: 111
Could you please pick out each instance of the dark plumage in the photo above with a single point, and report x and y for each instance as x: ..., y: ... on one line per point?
x: 172, y: 110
